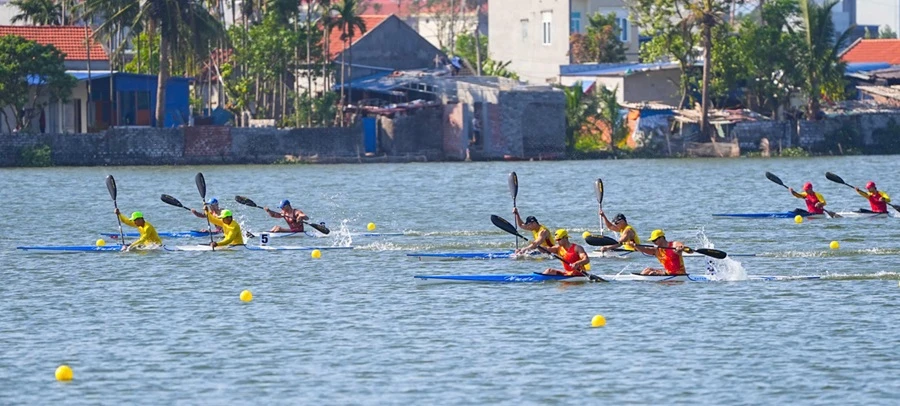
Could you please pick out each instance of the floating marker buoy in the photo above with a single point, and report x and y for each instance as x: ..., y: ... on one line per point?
x: 316, y: 254
x: 598, y: 321
x: 246, y: 296
x: 798, y: 219
x: 370, y: 227
x: 101, y: 242
x: 63, y: 373
x: 834, y: 245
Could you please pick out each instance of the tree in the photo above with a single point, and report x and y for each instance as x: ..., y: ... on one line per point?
x: 348, y: 20
x: 579, y: 107
x: 21, y: 62
x: 705, y: 14
x: 886, y: 33
x: 822, y: 67
x: 601, y: 43
x: 37, y: 12
x: 610, y: 114
x: 185, y: 29
x: 468, y: 48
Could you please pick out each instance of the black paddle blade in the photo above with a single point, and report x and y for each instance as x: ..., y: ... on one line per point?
x: 513, y: 185
x: 504, y: 225
x: 171, y: 200
x: 834, y: 178
x: 600, y: 241
x: 771, y: 176
x: 245, y: 201
x: 201, y: 184
x: 111, y: 186
x: 711, y: 253
x: 598, y: 187
x: 320, y: 228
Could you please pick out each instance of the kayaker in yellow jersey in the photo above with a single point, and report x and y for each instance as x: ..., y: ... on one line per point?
x: 628, y: 237
x: 149, y: 238
x: 540, y: 234
x: 231, y: 228
x: 214, y: 208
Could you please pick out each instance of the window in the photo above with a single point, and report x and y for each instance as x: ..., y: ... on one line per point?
x: 575, y: 23
x: 623, y: 26
x: 546, y: 20
x: 524, y: 26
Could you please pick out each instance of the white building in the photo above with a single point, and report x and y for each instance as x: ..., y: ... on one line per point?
x: 534, y: 34
x: 878, y: 12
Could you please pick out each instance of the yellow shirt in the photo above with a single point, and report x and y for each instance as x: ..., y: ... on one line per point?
x: 884, y: 196
x: 549, y: 242
x: 233, y: 235
x: 629, y: 245
x: 148, y: 233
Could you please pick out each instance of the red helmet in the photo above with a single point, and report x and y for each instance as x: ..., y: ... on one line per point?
x: 807, y: 186
x: 870, y: 185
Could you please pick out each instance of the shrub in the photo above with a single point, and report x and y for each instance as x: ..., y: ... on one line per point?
x: 36, y: 156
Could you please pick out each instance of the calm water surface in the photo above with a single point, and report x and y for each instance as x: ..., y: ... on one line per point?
x: 354, y: 327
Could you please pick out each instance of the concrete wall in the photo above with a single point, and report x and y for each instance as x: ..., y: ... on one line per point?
x: 812, y: 133
x: 534, y: 123
x: 184, y: 146
x: 517, y: 35
x: 657, y: 85
x: 412, y: 132
x: 750, y: 134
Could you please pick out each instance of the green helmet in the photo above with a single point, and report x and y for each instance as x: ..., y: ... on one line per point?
x: 225, y: 213
x: 136, y: 215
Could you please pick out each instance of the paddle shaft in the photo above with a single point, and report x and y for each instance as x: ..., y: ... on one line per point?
x: 837, y: 179
x: 604, y: 241
x: 201, y: 187
x: 777, y: 181
x: 247, y: 202
x: 598, y: 188
x: 514, y: 191
x: 113, y: 192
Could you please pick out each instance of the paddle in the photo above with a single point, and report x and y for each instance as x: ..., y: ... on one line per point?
x: 598, y: 188
x: 201, y: 187
x: 602, y: 241
x: 247, y: 202
x: 113, y: 192
x: 514, y: 191
x: 504, y: 225
x: 771, y: 176
x: 837, y: 179
x: 173, y: 201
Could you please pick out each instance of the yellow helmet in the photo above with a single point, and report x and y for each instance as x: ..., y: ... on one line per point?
x: 561, y: 233
x: 656, y: 234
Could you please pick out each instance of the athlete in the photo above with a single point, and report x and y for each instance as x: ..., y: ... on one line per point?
x: 540, y: 234
x: 877, y: 199
x: 231, y: 228
x: 293, y: 217
x: 668, y: 254
x: 628, y: 237
x: 574, y: 259
x: 815, y: 203
x: 213, y: 204
x: 148, y: 239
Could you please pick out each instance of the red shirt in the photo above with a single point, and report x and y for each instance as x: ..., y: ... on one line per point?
x: 670, y: 260
x: 570, y: 257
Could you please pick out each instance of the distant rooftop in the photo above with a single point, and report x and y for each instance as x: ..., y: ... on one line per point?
x: 70, y: 40
x: 873, y: 50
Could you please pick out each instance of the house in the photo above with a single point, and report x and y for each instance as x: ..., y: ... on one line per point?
x: 873, y: 50
x: 634, y: 82
x: 534, y: 36
x: 435, y: 22
x: 70, y: 40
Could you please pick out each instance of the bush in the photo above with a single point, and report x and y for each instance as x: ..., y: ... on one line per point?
x: 794, y: 152
x: 36, y: 156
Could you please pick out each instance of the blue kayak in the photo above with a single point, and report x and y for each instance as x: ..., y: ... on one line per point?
x: 118, y: 248
x: 622, y: 277
x: 462, y: 255
x: 776, y: 215
x: 169, y: 234
x: 73, y: 248
x: 520, y: 278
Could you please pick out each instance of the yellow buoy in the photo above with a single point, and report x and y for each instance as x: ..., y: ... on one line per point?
x: 587, y: 267
x: 586, y: 234
x: 598, y: 321
x: 834, y: 245
x: 246, y: 296
x: 798, y: 219
x: 370, y: 227
x: 63, y: 373
x: 316, y: 254
x: 101, y: 242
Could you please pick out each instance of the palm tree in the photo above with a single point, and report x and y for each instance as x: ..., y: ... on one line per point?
x: 821, y: 63
x: 707, y: 14
x: 348, y: 19
x: 185, y: 28
x: 310, y: 6
x: 327, y: 26
x: 37, y: 12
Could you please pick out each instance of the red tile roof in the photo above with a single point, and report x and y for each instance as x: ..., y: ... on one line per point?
x: 70, y: 40
x: 406, y: 7
x: 336, y: 46
x: 873, y: 50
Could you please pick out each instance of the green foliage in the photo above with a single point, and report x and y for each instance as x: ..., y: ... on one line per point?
x: 819, y: 56
x: 611, y: 115
x: 794, y: 152
x: 146, y: 57
x: 21, y: 59
x: 37, y: 12
x: 579, y: 107
x: 36, y: 156
x: 887, y: 33
x: 887, y: 139
x: 465, y: 48
x: 600, y: 43
x: 843, y: 141
x: 320, y: 111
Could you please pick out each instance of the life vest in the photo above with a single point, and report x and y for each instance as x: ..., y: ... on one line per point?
x: 628, y: 245
x: 878, y: 202
x: 296, y: 226
x: 670, y: 260
x: 570, y: 257
x: 811, y: 200
x: 549, y: 242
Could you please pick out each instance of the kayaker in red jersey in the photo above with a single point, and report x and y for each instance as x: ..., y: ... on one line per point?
x: 877, y: 199
x: 540, y: 234
x: 668, y: 253
x: 627, y: 235
x: 574, y: 259
x: 293, y: 217
x: 815, y: 203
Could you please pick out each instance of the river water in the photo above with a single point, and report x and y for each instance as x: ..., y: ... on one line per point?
x: 354, y: 327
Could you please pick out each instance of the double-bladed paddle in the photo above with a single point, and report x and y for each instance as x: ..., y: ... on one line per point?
x: 113, y: 192
x: 504, y: 225
x: 514, y: 191
x: 598, y: 188
x: 600, y: 241
x: 837, y: 179
x: 775, y: 179
x: 201, y: 187
x: 247, y: 202
x: 173, y: 201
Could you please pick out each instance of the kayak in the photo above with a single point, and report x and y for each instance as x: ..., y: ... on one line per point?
x: 616, y: 254
x: 792, y: 214
x: 537, y: 277
x: 118, y: 248
x: 316, y: 234
x: 169, y: 234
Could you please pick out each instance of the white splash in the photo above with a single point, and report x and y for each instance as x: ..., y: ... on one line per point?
x: 721, y: 269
